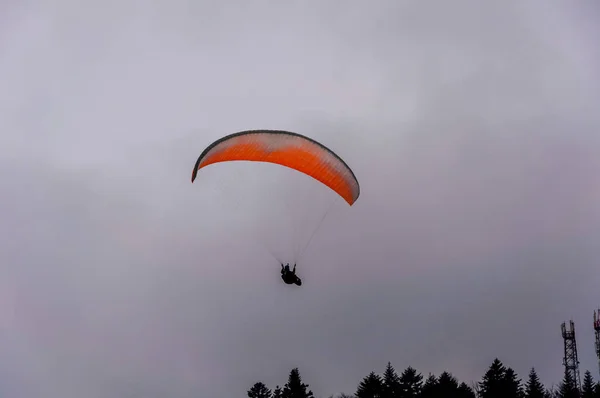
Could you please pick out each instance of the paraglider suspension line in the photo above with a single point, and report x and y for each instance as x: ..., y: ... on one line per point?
x: 316, y: 229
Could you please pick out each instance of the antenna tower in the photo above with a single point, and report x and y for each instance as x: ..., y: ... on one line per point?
x: 597, y: 330
x: 570, y: 360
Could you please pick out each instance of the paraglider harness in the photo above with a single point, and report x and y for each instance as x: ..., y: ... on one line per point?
x: 290, y: 277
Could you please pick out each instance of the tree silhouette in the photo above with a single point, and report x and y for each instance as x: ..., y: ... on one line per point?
x: 567, y: 388
x: 447, y: 385
x: 411, y: 383
x: 511, y: 385
x: 259, y: 390
x: 295, y: 388
x: 551, y: 393
x: 430, y: 387
x: 370, y: 387
x: 464, y: 391
x: 588, y: 389
x: 492, y: 383
x: 499, y: 381
x: 534, y: 387
x: 391, y: 383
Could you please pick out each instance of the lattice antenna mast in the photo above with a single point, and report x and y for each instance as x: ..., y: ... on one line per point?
x: 597, y: 333
x: 570, y: 361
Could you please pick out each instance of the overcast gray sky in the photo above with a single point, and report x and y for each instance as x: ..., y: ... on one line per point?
x: 472, y: 126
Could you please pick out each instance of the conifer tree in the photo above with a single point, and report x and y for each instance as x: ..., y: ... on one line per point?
x: 277, y: 393
x: 391, y: 383
x: 511, y: 385
x: 567, y: 388
x: 411, y: 383
x: 464, y: 391
x: 551, y: 392
x: 534, y: 387
x: 259, y: 390
x: 370, y: 387
x: 447, y: 385
x: 491, y: 385
x: 430, y: 386
x: 295, y: 388
x: 588, y: 389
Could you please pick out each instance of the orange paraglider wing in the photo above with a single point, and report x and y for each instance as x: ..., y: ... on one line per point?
x: 288, y: 149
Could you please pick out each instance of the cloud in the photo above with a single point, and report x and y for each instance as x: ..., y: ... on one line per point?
x: 473, y: 133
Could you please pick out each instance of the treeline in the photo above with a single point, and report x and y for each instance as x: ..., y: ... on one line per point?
x: 499, y: 381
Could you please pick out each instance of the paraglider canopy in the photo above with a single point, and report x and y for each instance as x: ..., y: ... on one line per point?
x: 288, y: 149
